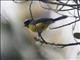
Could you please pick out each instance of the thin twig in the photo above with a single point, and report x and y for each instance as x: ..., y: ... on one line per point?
x: 59, y: 45
x: 65, y: 24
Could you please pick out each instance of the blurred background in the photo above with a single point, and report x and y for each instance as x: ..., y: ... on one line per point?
x: 17, y: 42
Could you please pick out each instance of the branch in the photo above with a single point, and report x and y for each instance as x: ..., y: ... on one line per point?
x: 59, y: 45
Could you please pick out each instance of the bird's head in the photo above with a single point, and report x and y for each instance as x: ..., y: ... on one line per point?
x: 27, y: 22
x: 29, y: 25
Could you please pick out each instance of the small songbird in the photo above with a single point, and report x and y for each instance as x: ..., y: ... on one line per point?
x: 41, y: 24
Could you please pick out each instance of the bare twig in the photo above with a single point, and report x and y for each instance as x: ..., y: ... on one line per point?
x: 58, y: 45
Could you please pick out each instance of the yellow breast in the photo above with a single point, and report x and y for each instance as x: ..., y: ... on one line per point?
x: 37, y: 27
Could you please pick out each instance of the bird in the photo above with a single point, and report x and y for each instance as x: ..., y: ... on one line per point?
x: 41, y: 24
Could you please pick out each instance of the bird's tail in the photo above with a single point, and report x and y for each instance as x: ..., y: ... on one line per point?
x: 60, y: 18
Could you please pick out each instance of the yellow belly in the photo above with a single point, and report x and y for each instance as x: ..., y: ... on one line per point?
x: 37, y: 27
